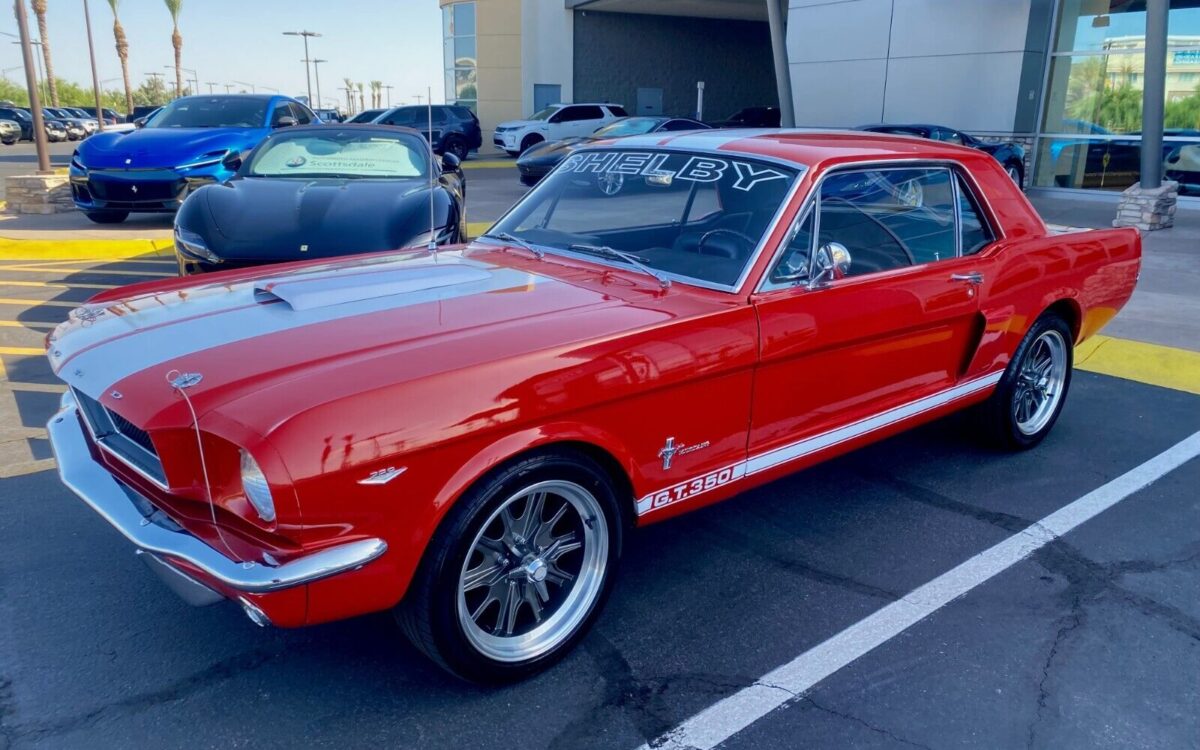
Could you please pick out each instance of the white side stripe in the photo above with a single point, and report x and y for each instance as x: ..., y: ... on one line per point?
x: 791, y: 681
x: 694, y: 486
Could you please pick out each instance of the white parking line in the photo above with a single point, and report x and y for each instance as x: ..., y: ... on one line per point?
x: 722, y: 720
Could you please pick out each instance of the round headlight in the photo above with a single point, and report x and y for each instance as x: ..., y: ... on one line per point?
x: 254, y: 483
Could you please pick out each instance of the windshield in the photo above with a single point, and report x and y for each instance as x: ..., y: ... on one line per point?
x: 340, y: 153
x: 627, y: 126
x: 212, y: 112
x: 696, y: 217
x: 545, y: 114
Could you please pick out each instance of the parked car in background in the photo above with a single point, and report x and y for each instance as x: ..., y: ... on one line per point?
x: 10, y: 132
x: 367, y: 115
x: 468, y: 436
x: 78, y: 128
x: 193, y: 141
x: 751, y: 117
x: 321, y: 192
x: 1010, y: 155
x: 90, y: 122
x: 554, y: 123
x: 537, y: 161
x: 56, y: 132
x: 140, y: 122
x: 22, y: 118
x: 455, y: 128
x: 142, y: 110
x: 329, y: 115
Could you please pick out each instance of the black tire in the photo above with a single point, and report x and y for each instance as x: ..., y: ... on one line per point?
x: 107, y: 217
x: 458, y: 147
x: 999, y: 414
x: 529, y: 142
x: 429, y: 614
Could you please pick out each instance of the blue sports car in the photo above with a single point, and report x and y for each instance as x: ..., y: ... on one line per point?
x: 193, y: 141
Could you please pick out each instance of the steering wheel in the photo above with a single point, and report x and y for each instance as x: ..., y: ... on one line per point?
x: 721, y: 230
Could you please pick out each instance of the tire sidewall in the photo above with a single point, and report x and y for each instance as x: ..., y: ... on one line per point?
x: 529, y: 142
x: 454, y: 540
x: 1006, y: 389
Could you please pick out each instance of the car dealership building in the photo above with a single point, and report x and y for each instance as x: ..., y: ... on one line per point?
x: 1063, y: 77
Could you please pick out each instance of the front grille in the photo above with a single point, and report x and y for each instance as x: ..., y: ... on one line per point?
x: 121, y: 438
x: 136, y: 192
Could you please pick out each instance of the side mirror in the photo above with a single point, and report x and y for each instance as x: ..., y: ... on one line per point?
x: 232, y: 161
x: 450, y: 162
x: 139, y: 122
x: 832, y: 263
x: 286, y: 121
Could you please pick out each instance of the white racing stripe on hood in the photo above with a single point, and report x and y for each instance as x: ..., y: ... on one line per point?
x: 127, y: 340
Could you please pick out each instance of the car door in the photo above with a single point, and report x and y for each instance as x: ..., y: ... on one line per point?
x: 891, y: 337
x: 585, y: 119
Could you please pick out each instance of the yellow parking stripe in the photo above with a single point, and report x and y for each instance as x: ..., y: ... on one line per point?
x: 97, y: 272
x: 1146, y: 363
x: 11, y: 249
x: 476, y: 228
x: 37, y: 302
x: 56, y: 284
x: 29, y: 351
x: 33, y: 387
x: 166, y: 261
x: 489, y: 164
x: 35, y: 325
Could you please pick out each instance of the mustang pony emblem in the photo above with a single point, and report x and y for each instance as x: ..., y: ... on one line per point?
x: 673, y: 449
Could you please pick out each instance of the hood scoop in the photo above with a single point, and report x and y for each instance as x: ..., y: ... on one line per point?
x: 307, y: 293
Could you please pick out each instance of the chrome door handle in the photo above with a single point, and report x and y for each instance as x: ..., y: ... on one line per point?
x: 973, y: 277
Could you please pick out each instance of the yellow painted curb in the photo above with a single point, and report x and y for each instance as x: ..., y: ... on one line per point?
x: 11, y: 249
x: 490, y: 164
x: 23, y: 351
x: 1146, y: 363
x: 476, y: 228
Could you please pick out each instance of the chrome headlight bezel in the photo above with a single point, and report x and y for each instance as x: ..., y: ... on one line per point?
x: 256, y: 488
x: 192, y: 245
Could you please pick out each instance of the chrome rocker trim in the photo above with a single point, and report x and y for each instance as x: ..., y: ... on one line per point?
x: 108, y: 497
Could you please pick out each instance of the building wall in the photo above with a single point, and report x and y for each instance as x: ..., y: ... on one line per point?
x: 971, y: 64
x: 616, y: 53
x: 498, y: 63
x: 547, y: 54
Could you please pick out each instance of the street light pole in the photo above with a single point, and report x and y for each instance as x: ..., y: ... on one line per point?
x: 87, y: 20
x: 307, y: 77
x: 35, y: 104
x: 210, y: 85
x: 389, y: 95
x: 253, y: 88
x: 317, y: 73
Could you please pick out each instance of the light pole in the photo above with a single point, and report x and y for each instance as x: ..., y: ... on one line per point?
x: 317, y: 73
x: 253, y: 88
x: 228, y: 87
x: 210, y: 84
x: 35, y: 104
x: 389, y: 95
x: 195, y: 76
x: 41, y: 72
x: 87, y: 19
x: 305, y: 35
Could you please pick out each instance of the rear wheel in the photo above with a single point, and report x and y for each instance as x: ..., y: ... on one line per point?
x: 529, y: 142
x: 1033, y: 390
x: 518, y: 570
x: 107, y: 217
x: 458, y: 147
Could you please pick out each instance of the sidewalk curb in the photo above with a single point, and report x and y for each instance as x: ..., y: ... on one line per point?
x: 15, y: 249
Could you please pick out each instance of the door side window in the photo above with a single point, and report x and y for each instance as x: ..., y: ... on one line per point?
x: 889, y: 218
x: 976, y: 234
x: 301, y: 113
x: 795, y: 264
x: 281, y: 111
x: 586, y: 113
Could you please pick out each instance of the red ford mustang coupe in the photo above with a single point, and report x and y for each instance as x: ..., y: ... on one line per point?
x: 467, y: 436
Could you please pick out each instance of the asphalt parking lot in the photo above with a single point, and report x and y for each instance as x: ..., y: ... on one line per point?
x: 1093, y: 641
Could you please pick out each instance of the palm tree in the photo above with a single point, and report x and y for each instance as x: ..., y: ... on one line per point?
x: 362, y: 103
x: 173, y: 7
x: 349, y: 95
x: 123, y: 53
x: 377, y: 93
x: 39, y: 10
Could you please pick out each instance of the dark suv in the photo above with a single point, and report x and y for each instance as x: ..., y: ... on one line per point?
x: 21, y: 118
x: 455, y: 128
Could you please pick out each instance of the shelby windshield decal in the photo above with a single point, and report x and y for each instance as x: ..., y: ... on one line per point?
x: 654, y: 165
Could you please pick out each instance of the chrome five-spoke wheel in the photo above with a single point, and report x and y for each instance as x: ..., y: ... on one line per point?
x: 1040, y: 381
x: 533, y: 571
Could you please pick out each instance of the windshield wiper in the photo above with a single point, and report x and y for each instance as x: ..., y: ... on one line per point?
x: 631, y: 259
x: 513, y: 239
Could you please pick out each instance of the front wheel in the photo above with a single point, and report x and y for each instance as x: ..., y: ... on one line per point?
x: 1033, y: 389
x: 1016, y: 173
x: 107, y: 217
x: 518, y: 570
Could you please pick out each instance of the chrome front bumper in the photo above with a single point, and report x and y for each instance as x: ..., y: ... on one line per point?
x: 153, y: 534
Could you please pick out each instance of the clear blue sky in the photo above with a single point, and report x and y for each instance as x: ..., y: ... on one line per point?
x: 394, y: 41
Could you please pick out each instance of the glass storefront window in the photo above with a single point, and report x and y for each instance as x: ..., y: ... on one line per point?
x: 1090, y: 133
x: 458, y: 53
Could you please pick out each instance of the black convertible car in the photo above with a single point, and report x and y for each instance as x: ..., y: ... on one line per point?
x: 1011, y: 155
x: 322, y: 191
x: 538, y: 160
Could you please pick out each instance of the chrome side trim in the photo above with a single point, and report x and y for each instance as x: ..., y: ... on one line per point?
x: 105, y: 495
x: 815, y: 444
